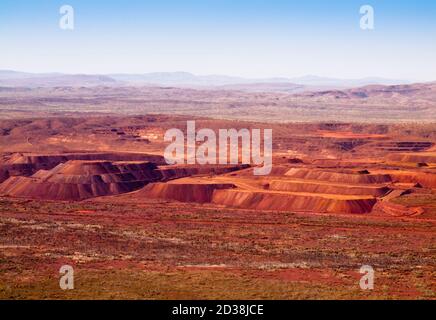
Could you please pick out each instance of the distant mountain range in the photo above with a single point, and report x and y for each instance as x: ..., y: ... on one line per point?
x: 424, y: 93
x: 10, y: 78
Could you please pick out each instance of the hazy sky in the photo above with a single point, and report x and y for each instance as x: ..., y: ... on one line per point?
x: 250, y: 38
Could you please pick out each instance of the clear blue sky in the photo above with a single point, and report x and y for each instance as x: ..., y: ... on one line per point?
x: 251, y: 38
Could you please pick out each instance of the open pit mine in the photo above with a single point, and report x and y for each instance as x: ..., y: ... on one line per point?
x: 340, y: 178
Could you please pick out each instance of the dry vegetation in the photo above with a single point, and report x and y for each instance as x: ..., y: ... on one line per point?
x: 125, y: 249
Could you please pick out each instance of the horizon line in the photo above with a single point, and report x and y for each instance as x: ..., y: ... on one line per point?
x: 308, y: 75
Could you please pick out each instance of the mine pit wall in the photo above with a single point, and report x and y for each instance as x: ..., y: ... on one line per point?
x: 277, y: 170
x: 200, y: 193
x: 313, y: 187
x: 412, y: 157
x: 100, y: 156
x: 26, y: 165
x: 175, y: 172
x: 345, y: 178
x: 427, y: 180
x: 4, y: 174
x: 12, y: 170
x: 285, y: 202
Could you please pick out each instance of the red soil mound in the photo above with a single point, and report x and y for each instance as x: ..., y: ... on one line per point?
x: 315, y: 187
x: 292, y: 202
x: 34, y: 189
x: 184, y: 192
x: 303, y: 173
x: 78, y: 180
